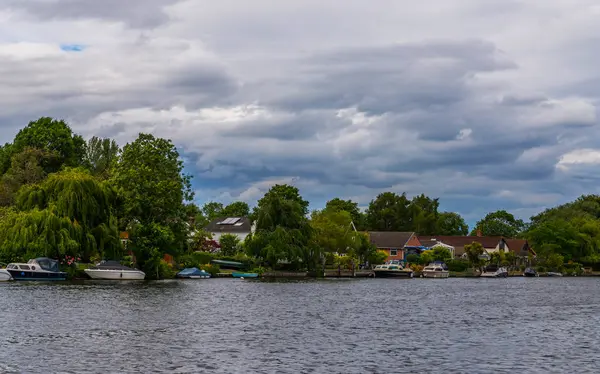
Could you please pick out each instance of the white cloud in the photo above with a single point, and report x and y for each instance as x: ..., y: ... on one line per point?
x: 579, y: 157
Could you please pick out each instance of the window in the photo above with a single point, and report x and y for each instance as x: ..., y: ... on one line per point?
x: 393, y: 252
x: 24, y: 267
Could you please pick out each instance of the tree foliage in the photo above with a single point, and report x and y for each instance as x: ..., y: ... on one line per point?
x: 500, y: 223
x: 230, y: 244
x: 450, y: 223
x: 349, y: 206
x: 101, y: 156
x: 236, y: 209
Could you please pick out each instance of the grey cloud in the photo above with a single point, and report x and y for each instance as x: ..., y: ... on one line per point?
x: 134, y: 13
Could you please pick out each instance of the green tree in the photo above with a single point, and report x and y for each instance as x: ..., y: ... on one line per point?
x: 54, y: 136
x: 333, y: 231
x: 212, y: 210
x: 230, y: 244
x: 424, y: 215
x: 450, y: 223
x: 101, y: 156
x: 282, y: 229
x: 349, y: 206
x: 500, y: 223
x: 154, y: 188
x: 389, y: 212
x: 69, y: 213
x: 474, y: 252
x: 236, y: 209
x: 441, y: 253
x: 427, y: 257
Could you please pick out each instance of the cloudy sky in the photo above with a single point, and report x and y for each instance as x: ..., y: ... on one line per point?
x: 486, y: 104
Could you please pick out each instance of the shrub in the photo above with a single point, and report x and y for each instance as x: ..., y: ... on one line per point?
x: 211, y: 268
x: 377, y: 257
x: 166, y: 270
x: 413, y: 259
x: 458, y: 265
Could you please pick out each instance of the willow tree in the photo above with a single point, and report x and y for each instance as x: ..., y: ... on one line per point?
x: 70, y: 213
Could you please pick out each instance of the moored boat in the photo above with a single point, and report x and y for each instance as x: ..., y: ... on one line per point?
x: 530, y: 272
x: 39, y: 269
x: 193, y: 273
x: 5, y: 275
x: 554, y: 274
x: 494, y: 271
x: 436, y: 270
x: 244, y: 275
x: 113, y: 270
x: 392, y: 270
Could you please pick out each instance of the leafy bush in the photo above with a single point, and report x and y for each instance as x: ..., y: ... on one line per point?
x: 166, y: 270
x: 377, y: 257
x: 211, y: 268
x: 259, y: 270
x: 413, y: 259
x: 458, y: 265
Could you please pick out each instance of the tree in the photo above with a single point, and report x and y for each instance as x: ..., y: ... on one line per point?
x: 26, y: 167
x: 474, y: 252
x: 70, y: 213
x: 450, y: 223
x: 53, y: 136
x: 212, y: 210
x: 236, y: 209
x: 101, y: 156
x: 230, y: 244
x: 388, y: 212
x: 423, y: 212
x: 333, y: 231
x: 282, y: 229
x: 500, y: 223
x: 349, y: 206
x: 441, y: 253
x: 150, y: 178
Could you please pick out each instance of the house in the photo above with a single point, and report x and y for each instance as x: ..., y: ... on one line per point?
x: 489, y: 243
x: 394, y: 243
x: 239, y: 226
x: 520, y: 247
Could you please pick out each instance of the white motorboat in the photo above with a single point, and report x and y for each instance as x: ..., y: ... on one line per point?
x: 494, y: 271
x: 392, y: 269
x: 39, y: 269
x: 5, y: 275
x: 113, y: 270
x: 436, y: 270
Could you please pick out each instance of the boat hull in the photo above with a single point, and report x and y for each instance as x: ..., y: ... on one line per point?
x: 115, y: 274
x: 393, y: 274
x: 436, y: 274
x: 494, y: 275
x: 244, y: 275
x: 553, y: 274
x: 43, y: 276
x: 530, y: 275
x: 5, y: 275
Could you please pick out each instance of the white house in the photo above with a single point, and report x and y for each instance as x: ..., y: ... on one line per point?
x: 239, y: 226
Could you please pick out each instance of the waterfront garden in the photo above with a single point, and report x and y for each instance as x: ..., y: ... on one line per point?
x: 65, y: 197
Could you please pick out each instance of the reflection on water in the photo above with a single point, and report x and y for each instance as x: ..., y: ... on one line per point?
x: 533, y: 325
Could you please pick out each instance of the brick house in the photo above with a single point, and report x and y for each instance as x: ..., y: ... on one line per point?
x: 394, y: 243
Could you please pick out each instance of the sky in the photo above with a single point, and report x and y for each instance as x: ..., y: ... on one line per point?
x: 485, y: 104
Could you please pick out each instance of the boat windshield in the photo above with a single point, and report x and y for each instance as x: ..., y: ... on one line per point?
x: 45, y: 263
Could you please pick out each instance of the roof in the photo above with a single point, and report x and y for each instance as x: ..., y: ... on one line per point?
x: 518, y: 245
x: 230, y: 225
x: 389, y: 239
x: 460, y: 241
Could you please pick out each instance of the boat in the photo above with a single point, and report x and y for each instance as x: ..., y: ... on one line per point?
x: 38, y: 269
x: 193, y: 273
x: 392, y: 270
x: 244, y: 275
x: 5, y: 275
x: 554, y: 274
x: 494, y: 271
x: 530, y: 272
x: 436, y: 270
x: 113, y: 270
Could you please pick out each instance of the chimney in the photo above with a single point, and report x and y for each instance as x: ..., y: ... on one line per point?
x: 479, y: 233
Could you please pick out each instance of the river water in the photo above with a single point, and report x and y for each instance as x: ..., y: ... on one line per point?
x: 539, y: 325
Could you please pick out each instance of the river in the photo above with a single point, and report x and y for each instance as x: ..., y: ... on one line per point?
x: 533, y: 325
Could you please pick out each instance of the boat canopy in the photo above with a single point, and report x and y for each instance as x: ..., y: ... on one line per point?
x: 192, y: 271
x: 45, y: 263
x: 231, y: 264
